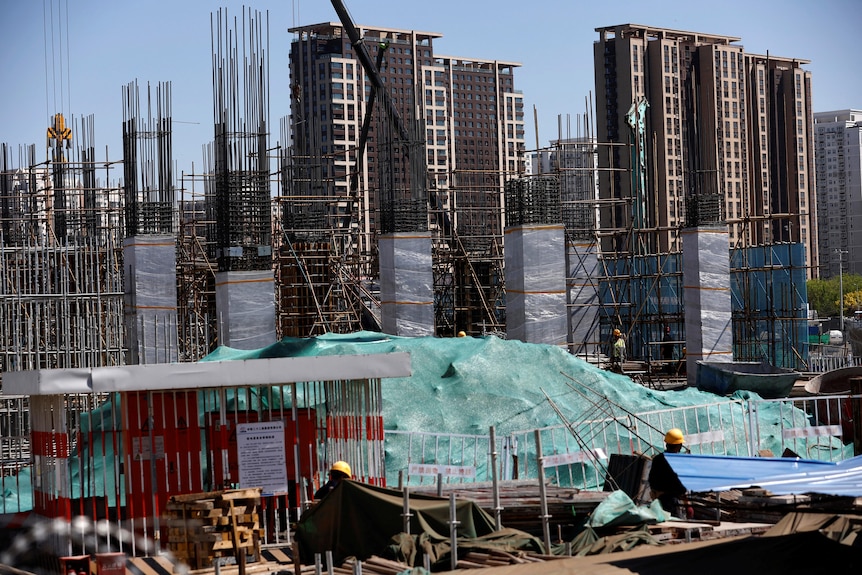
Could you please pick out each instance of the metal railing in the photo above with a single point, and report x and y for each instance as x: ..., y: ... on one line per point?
x: 828, y: 362
x: 576, y: 454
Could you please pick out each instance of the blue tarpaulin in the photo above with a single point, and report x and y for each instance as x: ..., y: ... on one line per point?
x: 779, y: 475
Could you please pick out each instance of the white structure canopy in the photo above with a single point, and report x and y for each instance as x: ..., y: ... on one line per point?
x: 206, y: 374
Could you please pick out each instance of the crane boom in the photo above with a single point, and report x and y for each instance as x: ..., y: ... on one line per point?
x: 366, y: 122
x: 370, y: 69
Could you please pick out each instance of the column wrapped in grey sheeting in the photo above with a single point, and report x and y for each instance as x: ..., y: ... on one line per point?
x: 406, y: 284
x: 245, y: 304
x: 150, y: 280
x: 706, y: 281
x: 536, y: 284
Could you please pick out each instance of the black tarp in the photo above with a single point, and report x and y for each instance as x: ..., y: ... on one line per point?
x: 358, y: 520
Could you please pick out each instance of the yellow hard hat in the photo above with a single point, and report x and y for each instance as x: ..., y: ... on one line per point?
x: 462, y: 334
x: 617, y: 332
x: 343, y: 467
x: 674, y: 437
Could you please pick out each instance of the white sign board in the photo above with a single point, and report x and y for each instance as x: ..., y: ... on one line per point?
x: 571, y: 457
x: 464, y: 471
x: 261, y: 455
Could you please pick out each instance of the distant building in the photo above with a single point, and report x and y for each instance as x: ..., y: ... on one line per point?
x: 728, y: 137
x: 473, y: 130
x: 838, y: 144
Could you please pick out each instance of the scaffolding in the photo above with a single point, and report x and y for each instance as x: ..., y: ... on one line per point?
x: 196, y: 272
x: 61, y: 271
x: 468, y: 258
x: 316, y: 228
x: 61, y: 285
x: 323, y: 277
x: 639, y: 284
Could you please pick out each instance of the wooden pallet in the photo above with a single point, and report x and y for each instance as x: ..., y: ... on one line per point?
x: 216, y: 526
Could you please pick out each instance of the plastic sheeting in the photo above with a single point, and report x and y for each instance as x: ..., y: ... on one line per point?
x: 770, y: 304
x: 536, y: 284
x: 465, y: 385
x: 583, y: 264
x: 706, y: 276
x: 246, y: 308
x: 361, y: 520
x: 151, y: 297
x: 782, y: 476
x: 468, y: 384
x: 619, y: 509
x: 406, y: 284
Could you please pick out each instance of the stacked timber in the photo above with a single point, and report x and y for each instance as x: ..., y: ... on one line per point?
x: 473, y: 560
x: 216, y: 526
x: 521, y: 504
x: 760, y: 505
x: 498, y: 558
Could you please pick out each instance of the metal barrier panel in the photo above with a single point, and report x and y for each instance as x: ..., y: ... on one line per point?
x: 81, y: 469
x: 418, y: 458
x: 576, y: 455
x: 818, y: 428
x: 831, y: 358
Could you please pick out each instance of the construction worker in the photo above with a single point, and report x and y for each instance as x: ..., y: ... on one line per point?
x: 339, y: 470
x: 664, y: 482
x: 618, y: 351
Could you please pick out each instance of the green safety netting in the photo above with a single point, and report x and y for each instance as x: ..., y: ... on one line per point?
x: 468, y: 384
x: 465, y: 385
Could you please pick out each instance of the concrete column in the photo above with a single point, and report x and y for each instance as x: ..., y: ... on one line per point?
x: 150, y: 280
x: 706, y: 293
x: 536, y: 284
x: 406, y: 284
x: 245, y: 304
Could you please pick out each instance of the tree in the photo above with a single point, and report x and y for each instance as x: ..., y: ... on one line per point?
x: 823, y: 294
x: 852, y: 302
x: 821, y: 299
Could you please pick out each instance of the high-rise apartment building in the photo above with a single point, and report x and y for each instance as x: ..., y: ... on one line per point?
x: 838, y: 146
x: 464, y: 114
x: 723, y: 136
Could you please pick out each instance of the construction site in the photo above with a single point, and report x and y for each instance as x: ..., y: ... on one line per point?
x: 312, y: 220
x: 125, y: 262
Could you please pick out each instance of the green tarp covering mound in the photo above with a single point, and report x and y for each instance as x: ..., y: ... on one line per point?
x: 467, y: 384
x: 358, y: 520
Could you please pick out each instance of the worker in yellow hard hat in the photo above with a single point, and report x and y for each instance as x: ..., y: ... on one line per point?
x: 664, y: 482
x: 462, y: 334
x: 339, y: 470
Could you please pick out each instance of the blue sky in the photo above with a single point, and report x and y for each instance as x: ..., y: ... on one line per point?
x: 107, y: 44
